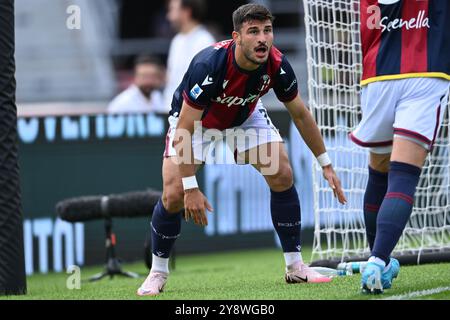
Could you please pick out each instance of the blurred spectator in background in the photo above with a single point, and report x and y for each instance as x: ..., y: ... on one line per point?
x: 185, y: 16
x: 145, y: 94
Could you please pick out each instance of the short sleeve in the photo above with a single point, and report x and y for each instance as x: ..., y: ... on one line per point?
x: 285, y: 86
x: 199, y: 86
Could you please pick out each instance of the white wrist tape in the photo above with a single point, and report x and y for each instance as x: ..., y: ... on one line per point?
x: 189, y: 182
x: 324, y: 160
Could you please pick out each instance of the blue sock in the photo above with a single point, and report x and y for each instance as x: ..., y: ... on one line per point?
x: 166, y: 229
x: 396, y: 208
x: 285, y: 208
x: 373, y: 197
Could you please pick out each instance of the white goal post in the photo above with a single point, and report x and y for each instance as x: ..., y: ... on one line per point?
x: 334, y: 71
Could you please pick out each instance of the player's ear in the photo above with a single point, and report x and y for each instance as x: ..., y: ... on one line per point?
x: 236, y: 36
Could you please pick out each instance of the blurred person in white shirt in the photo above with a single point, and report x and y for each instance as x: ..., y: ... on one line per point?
x: 145, y: 94
x: 185, y: 17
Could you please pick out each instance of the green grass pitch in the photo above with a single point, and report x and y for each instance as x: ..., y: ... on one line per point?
x: 256, y: 274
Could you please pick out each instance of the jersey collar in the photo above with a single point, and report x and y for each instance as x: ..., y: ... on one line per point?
x: 233, y: 48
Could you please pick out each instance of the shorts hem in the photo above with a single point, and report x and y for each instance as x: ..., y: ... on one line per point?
x: 413, y: 135
x: 369, y: 144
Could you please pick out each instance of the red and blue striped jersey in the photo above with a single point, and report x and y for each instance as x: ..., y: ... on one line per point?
x: 405, y: 39
x: 228, y: 94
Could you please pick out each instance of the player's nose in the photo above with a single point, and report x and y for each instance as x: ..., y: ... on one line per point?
x: 262, y: 41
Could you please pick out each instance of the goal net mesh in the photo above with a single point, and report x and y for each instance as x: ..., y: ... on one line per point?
x: 334, y: 72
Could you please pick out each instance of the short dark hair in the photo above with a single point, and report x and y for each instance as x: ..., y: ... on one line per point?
x: 197, y: 7
x: 248, y: 12
x: 147, y: 59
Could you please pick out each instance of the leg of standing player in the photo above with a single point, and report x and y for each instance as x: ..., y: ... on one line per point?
x: 273, y: 164
x: 388, y: 203
x: 407, y: 159
x: 377, y: 185
x: 165, y: 227
x: 389, y: 199
x: 376, y: 188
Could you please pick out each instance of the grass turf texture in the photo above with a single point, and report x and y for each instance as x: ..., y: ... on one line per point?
x: 257, y: 274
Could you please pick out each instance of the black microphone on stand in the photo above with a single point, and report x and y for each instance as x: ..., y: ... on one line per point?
x: 124, y: 205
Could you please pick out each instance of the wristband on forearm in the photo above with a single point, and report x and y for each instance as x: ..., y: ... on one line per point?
x: 324, y: 160
x: 189, y: 183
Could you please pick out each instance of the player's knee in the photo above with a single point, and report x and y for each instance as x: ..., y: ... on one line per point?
x: 282, y: 180
x: 173, y: 200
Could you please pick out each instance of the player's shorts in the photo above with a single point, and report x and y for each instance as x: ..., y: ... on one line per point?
x: 223, y: 147
x: 412, y: 109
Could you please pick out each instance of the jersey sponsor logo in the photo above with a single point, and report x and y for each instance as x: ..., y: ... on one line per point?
x: 196, y: 91
x: 419, y: 22
x: 236, y: 101
x: 208, y: 80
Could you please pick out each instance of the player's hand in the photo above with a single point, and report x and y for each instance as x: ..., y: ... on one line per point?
x: 335, y: 183
x: 195, y: 205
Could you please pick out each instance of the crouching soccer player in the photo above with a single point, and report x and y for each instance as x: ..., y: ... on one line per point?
x: 406, y: 73
x: 222, y: 88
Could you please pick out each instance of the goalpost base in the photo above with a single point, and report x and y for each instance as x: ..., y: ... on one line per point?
x: 404, y: 259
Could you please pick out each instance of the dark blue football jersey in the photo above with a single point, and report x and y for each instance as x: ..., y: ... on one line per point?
x: 228, y: 94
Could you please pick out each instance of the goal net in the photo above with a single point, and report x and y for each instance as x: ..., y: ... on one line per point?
x: 334, y: 69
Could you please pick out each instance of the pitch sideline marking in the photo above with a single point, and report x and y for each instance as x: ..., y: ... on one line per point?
x: 416, y: 294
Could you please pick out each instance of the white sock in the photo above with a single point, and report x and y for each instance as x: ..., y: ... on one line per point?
x: 377, y: 261
x: 160, y: 264
x: 292, y: 257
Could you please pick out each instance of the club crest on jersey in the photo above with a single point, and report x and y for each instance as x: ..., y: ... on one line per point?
x: 196, y: 91
x: 264, y: 82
